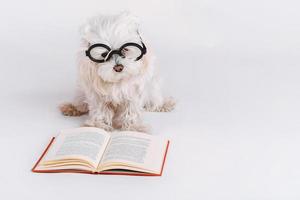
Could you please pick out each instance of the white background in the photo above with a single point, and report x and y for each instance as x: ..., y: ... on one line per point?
x: 232, y: 65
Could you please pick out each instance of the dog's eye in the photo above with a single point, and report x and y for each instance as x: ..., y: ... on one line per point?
x: 131, y: 52
x: 99, y: 53
x: 124, y: 51
x: 104, y: 54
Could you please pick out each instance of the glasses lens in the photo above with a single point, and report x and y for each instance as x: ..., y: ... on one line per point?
x: 99, y: 53
x: 131, y: 52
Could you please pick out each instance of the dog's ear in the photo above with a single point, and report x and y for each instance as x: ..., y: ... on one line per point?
x: 86, y: 32
x: 84, y: 29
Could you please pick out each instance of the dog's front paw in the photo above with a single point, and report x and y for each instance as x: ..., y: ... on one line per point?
x: 98, y: 124
x: 68, y: 109
x: 136, y: 127
x: 168, y: 105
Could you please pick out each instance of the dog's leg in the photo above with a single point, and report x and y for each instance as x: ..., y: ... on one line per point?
x: 128, y: 118
x: 77, y: 108
x: 100, y: 115
x: 154, y: 100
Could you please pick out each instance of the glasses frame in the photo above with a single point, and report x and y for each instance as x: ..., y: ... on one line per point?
x: 111, y: 52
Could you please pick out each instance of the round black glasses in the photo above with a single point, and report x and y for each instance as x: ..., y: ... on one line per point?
x: 101, y: 52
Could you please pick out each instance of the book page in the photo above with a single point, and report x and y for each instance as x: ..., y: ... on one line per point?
x: 71, y: 145
x: 133, y: 149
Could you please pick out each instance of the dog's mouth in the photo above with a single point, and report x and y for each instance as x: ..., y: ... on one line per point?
x: 115, y: 77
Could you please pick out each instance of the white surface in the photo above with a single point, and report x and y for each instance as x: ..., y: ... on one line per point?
x: 233, y: 66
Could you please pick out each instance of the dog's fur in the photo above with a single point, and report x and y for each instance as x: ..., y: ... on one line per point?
x: 116, y: 99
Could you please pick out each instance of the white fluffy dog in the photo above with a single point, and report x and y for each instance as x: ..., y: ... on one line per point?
x: 116, y: 81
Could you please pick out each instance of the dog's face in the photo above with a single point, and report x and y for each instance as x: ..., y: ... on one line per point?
x: 114, y: 31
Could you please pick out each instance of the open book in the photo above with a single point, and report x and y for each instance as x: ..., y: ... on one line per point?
x: 95, y: 151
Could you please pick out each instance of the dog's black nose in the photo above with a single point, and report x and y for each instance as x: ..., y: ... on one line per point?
x: 118, y: 68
